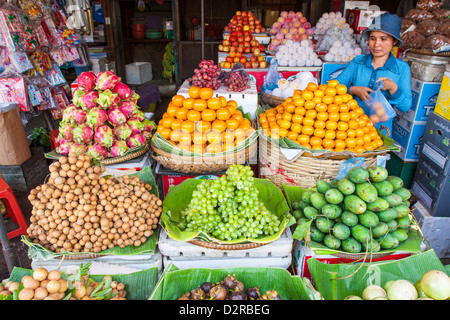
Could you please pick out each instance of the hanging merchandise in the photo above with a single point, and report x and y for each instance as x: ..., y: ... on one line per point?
x: 55, y: 76
x: 34, y: 95
x: 5, y: 60
x: 20, y: 61
x: 42, y: 61
x: 13, y: 89
x: 33, y: 9
x: 70, y: 37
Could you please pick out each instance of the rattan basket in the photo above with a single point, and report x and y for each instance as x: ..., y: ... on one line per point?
x: 273, y: 101
x: 124, y: 158
x: 228, y: 247
x: 305, y: 170
x: 203, y: 164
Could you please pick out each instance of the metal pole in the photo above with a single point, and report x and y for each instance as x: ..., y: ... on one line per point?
x: 203, y: 29
x: 8, y: 252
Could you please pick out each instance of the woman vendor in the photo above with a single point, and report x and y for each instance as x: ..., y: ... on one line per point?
x: 380, y: 68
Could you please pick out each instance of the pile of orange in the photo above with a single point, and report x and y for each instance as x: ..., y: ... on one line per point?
x: 202, y: 123
x: 322, y: 117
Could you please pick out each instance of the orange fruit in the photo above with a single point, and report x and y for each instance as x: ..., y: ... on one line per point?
x: 359, y: 111
x: 352, y: 124
x: 319, y: 124
x: 292, y: 135
x: 297, y: 127
x: 245, y: 124
x: 338, y: 99
x: 188, y: 126
x: 359, y: 141
x: 316, y: 100
x: 166, y: 122
x: 181, y: 113
x: 171, y: 109
x: 199, y: 104
x: 297, y: 118
x: 321, y: 107
x: 232, y: 123
x: 333, y: 108
x: 322, y: 115
x: 289, y: 107
x: 176, y: 124
x: 343, y: 107
x: 340, y: 144
x: 315, y: 141
x: 332, y: 83
x: 206, y: 93
x: 311, y: 113
x: 219, y: 125
x: 300, y: 110
x: 379, y: 142
x: 214, y: 103
x: 194, y: 115
x: 308, y: 130
x: 286, y: 116
x: 199, y: 138
x: 194, y: 92
x: 323, y: 86
x: 341, y: 89
x: 319, y: 93
x: 299, y: 102
x: 331, y: 125
x: 359, y: 132
x: 307, y: 94
x: 228, y: 145
x: 310, y: 104
x: 198, y: 148
x: 184, y: 147
x: 208, y: 115
x: 308, y: 121
x: 165, y: 133
x: 330, y: 91
x: 213, y: 148
x: 228, y: 135
x: 350, y: 142
x: 367, y: 138
x: 312, y: 86
x: 344, y: 116
x: 303, y: 139
x: 319, y: 132
x: 342, y: 126
x: 327, y: 99
x: 184, y: 137
x: 359, y: 149
x: 239, y: 133
x: 213, y: 136
x: 369, y: 146
x: 351, y: 133
x: 202, y: 126
x: 334, y: 116
x: 177, y: 100
x: 328, y: 144
x: 330, y: 134
x: 361, y: 123
x: 341, y: 135
x: 283, y: 132
x: 238, y: 116
x: 352, y: 103
x: 188, y: 103
x: 175, y: 135
x: 223, y: 100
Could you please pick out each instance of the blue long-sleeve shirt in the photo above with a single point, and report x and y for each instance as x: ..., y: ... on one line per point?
x: 360, y: 72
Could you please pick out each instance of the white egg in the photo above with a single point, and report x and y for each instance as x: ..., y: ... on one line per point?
x: 332, y: 14
x: 301, y: 62
x: 283, y: 62
x: 342, y: 50
x: 292, y: 63
x: 317, y: 62
x: 334, y: 50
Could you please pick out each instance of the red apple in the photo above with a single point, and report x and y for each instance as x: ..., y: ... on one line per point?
x: 256, y: 51
x: 240, y: 49
x: 247, y: 50
x: 260, y: 57
x: 255, y: 64
x: 232, y: 38
x: 243, y: 60
x: 226, y: 42
x: 229, y: 59
x: 244, y: 13
x: 263, y: 64
x: 246, y: 43
x: 233, y: 33
x: 240, y: 39
x: 238, y: 13
x: 257, y: 30
x: 261, y: 48
x: 253, y: 58
x: 247, y: 38
x: 235, y: 43
x: 248, y: 65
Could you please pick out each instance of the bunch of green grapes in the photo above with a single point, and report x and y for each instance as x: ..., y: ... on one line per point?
x: 228, y: 208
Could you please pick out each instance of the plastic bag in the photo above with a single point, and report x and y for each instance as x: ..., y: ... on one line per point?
x: 272, y: 77
x: 418, y: 15
x: 441, y: 14
x: 427, y: 27
x: 413, y: 40
x: 436, y: 43
x: 428, y: 4
x: 380, y: 110
x: 406, y: 24
x: 444, y: 29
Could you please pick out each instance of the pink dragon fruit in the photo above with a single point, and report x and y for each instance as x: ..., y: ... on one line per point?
x: 97, y: 152
x: 83, y: 134
x: 118, y: 148
x: 66, y: 131
x: 107, y: 98
x: 123, y: 91
x: 106, y: 80
x: 80, y: 116
x: 104, y: 136
x: 135, y: 125
x: 64, y: 147
x: 147, y: 134
x: 78, y: 148
x: 136, y: 140
x: 128, y: 108
x: 77, y: 96
x: 116, y: 117
x: 139, y: 114
x: 86, y: 80
x: 89, y: 100
x: 122, y: 132
x: 69, y: 114
x: 134, y: 97
x: 148, y: 125
x: 96, y: 117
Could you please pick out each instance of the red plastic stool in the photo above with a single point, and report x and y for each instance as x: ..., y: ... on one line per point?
x: 53, y: 136
x: 13, y: 209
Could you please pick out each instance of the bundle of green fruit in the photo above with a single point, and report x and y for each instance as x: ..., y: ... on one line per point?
x: 366, y: 211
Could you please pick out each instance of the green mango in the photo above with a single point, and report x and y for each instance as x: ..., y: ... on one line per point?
x: 380, y: 230
x: 393, y: 225
x: 368, y: 219
x: 316, y: 234
x: 396, y: 182
x: 322, y: 186
x: 358, y: 175
x: 361, y: 233
x: 366, y: 191
x: 349, y: 218
x: 355, y: 204
x: 310, y: 212
x: 371, y: 246
x: 400, y: 234
x: 341, y: 231
x: 334, y: 196
x: 306, y: 194
x: 345, y: 186
x: 393, y: 199
x: 324, y: 224
x: 387, y: 215
x: 303, y: 204
x: 331, y: 242
x: 318, y: 200
x: 404, y: 222
x: 378, y: 205
x: 298, y: 214
x: 402, y: 210
x: 388, y: 241
x: 295, y: 205
x: 404, y: 193
x: 384, y: 188
x: 331, y: 211
x: 351, y: 245
x: 377, y: 173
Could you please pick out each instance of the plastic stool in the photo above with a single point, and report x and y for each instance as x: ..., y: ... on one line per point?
x: 13, y: 209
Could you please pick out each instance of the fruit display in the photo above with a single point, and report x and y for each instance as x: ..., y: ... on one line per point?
x: 342, y: 51
x: 203, y: 123
x: 322, y: 117
x: 103, y: 119
x: 237, y: 80
x: 207, y: 75
x: 285, y: 88
x: 433, y: 285
x: 328, y: 21
x: 241, y: 41
x: 79, y: 210
x: 366, y: 211
x: 297, y: 54
x: 230, y: 288
x: 229, y: 208
x: 289, y: 26
x: 244, y: 21
x: 253, y: 61
x: 45, y: 284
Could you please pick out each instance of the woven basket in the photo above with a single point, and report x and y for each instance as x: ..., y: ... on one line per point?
x: 124, y: 158
x: 203, y: 164
x: 80, y: 256
x: 267, y: 99
x: 305, y: 170
x: 229, y: 247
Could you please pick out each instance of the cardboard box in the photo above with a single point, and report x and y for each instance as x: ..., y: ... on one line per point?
x: 435, y: 147
x: 301, y: 255
x: 270, y: 16
x: 424, y: 95
x: 409, y: 136
x: 432, y: 188
x: 443, y: 101
x: 360, y: 20
x: 361, y: 5
x: 331, y: 71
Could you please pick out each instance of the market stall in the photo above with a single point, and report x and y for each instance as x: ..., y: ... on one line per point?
x: 263, y: 180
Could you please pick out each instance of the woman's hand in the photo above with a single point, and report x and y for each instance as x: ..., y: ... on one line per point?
x: 388, y: 84
x: 361, y: 92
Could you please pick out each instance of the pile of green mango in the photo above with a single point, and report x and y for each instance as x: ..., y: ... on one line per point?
x: 366, y: 211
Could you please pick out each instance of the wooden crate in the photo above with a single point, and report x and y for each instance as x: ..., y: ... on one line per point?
x: 28, y: 175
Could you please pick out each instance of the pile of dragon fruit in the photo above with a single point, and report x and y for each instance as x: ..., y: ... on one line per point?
x: 103, y: 120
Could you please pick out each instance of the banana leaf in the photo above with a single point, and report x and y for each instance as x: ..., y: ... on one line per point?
x: 174, y: 282
x: 139, y: 285
x: 285, y: 142
x: 38, y: 252
x: 301, y: 232
x: 178, y: 198
x: 337, y: 281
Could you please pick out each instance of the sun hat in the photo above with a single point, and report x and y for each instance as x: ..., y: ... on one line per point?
x: 387, y: 23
